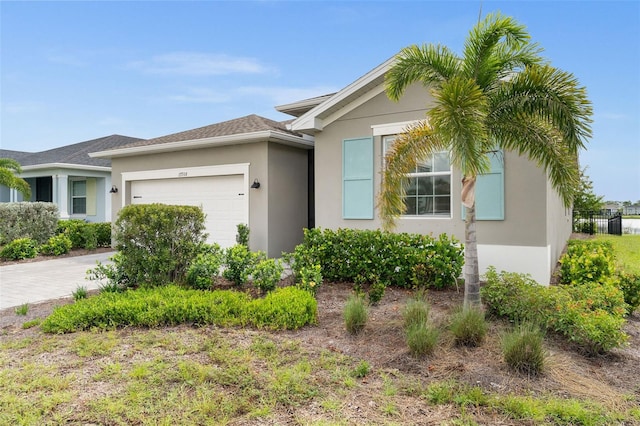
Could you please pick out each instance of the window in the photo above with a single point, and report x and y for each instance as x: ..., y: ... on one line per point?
x: 428, y: 187
x: 357, y: 178
x: 78, y: 197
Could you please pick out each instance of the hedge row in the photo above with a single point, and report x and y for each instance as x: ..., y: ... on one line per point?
x: 284, y: 308
x: 395, y: 259
x: 36, y: 221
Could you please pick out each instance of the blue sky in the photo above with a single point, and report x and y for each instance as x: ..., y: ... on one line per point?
x: 74, y: 71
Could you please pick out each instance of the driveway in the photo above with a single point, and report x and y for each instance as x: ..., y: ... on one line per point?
x: 49, y: 279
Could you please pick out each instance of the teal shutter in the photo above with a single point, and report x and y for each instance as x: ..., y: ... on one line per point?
x: 357, y: 178
x: 490, y: 191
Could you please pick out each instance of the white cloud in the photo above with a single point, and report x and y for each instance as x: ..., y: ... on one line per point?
x: 199, y: 64
x: 25, y: 107
x: 612, y: 116
x: 201, y: 95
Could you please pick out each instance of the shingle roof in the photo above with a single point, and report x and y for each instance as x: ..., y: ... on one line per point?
x: 71, y: 154
x: 248, y: 124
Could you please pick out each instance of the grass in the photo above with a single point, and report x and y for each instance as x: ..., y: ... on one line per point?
x: 627, y: 250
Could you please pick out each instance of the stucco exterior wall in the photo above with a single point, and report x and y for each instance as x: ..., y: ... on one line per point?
x: 525, y: 185
x: 558, y: 226
x: 287, y: 197
x: 273, y: 227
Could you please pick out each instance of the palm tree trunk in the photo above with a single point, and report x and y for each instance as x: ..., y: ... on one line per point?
x: 471, y: 272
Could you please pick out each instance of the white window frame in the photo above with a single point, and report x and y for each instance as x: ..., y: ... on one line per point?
x: 449, y: 215
x: 72, y: 197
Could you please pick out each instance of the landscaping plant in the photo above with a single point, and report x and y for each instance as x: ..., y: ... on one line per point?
x: 523, y: 349
x: 22, y: 248
x: 238, y: 261
x: 266, y: 274
x: 355, y: 314
x: 468, y: 327
x: 37, y: 221
x: 57, y: 245
x: 206, y: 266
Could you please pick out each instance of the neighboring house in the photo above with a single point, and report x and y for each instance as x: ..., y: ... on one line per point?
x: 631, y: 210
x: 250, y: 170
x: 324, y: 168
x: 611, y: 208
x: 78, y: 184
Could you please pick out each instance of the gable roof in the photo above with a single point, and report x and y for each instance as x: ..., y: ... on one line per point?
x: 251, y: 128
x: 350, y: 97
x: 298, y: 108
x: 76, y: 154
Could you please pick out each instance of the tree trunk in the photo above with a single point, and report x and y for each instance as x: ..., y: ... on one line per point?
x: 471, y: 273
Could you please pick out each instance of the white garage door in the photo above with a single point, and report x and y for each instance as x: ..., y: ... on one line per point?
x: 222, y: 199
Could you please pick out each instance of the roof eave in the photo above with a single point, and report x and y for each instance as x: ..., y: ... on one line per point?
x: 65, y: 166
x: 241, y: 138
x: 312, y: 121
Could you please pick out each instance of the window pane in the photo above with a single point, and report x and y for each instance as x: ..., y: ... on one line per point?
x: 79, y: 206
x: 443, y: 185
x: 425, y: 185
x: 442, y: 205
x: 79, y: 188
x: 425, y: 205
x: 425, y: 166
x: 441, y: 162
x: 410, y: 186
x: 410, y: 205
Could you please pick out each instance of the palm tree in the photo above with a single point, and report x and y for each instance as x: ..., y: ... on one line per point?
x: 499, y: 94
x: 9, y: 168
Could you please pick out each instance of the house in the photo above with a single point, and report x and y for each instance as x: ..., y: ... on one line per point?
x: 323, y: 168
x: 78, y: 184
x: 250, y: 170
x: 631, y: 210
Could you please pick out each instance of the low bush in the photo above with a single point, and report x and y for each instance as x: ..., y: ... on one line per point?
x: 468, y: 327
x: 376, y: 291
x: 344, y: 254
x: 36, y: 221
x: 239, y: 262
x: 587, y: 261
x: 203, y: 270
x: 266, y: 274
x: 111, y: 276
x: 309, y: 278
x: 103, y: 233
x: 285, y: 308
x: 523, y: 349
x: 590, y: 316
x: 22, y: 248
x: 57, y: 245
x: 355, y: 314
x: 242, y: 235
x: 82, y: 234
x: 158, y: 242
x: 416, y: 310
x: 422, y: 338
x: 630, y: 286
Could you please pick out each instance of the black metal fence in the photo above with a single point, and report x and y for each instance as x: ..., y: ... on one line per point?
x: 601, y: 222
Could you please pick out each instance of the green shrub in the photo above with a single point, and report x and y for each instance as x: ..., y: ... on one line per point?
x: 22, y: 248
x: 591, y: 316
x: 355, y: 314
x: 468, y: 327
x: 242, y: 236
x: 309, y: 279
x: 416, y: 310
x: 103, y: 233
x: 57, y: 245
x: 266, y: 274
x: 587, y: 261
x: 239, y: 262
x: 79, y: 293
x: 205, y: 268
x: 376, y: 291
x: 630, y: 286
x: 344, y: 254
x: 422, y: 338
x: 86, y: 235
x: 111, y: 276
x: 36, y: 221
x: 285, y: 308
x: 523, y: 349
x: 158, y: 242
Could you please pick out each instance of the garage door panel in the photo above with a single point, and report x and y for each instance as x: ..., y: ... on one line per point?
x: 222, y: 199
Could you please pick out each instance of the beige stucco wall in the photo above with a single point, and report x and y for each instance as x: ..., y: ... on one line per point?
x: 559, y: 225
x: 255, y: 154
x: 287, y: 189
x: 525, y: 184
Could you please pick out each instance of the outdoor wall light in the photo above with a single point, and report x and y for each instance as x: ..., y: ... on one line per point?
x: 255, y: 184
x: 114, y: 189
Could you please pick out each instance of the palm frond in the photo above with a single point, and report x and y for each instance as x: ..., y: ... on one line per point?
x: 10, y: 180
x: 418, y: 142
x: 427, y: 64
x: 550, y: 94
x: 483, y: 39
x: 459, y: 118
x: 10, y: 164
x: 538, y: 140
